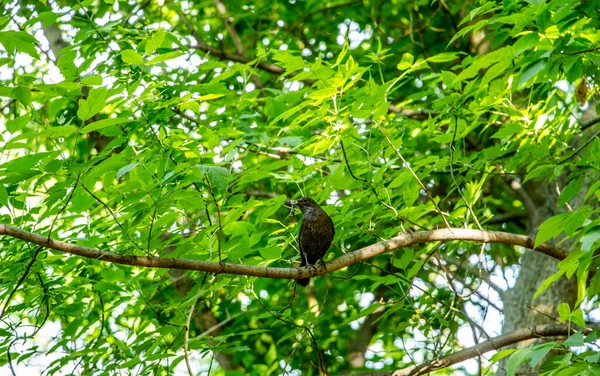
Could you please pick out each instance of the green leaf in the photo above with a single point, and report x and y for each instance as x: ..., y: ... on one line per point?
x: 4, y: 20
x: 564, y: 311
x: 406, y: 62
x: 539, y: 172
x: 516, y: 360
x: 94, y: 103
x: 113, y: 275
x: 484, y: 61
x: 155, y: 41
x: 103, y: 286
x: 575, y: 339
x: 164, y: 57
x: 23, y: 94
x: 66, y: 63
x: 548, y: 282
x: 159, y: 356
x: 238, y: 228
x: 590, y: 238
x: 593, y: 188
x: 193, y: 106
x: 122, y: 171
x: 103, y: 124
x: 270, y: 253
x: 485, y: 8
x: 132, y: 57
x: 288, y: 61
x: 416, y: 268
x: 323, y: 93
x: 572, y: 189
x: 539, y: 353
x: 92, y: 80
x: 17, y: 124
x: 508, y: 130
x: 61, y: 131
x: 81, y: 201
x: 405, y: 259
x: 530, y: 72
x: 208, y: 97
x: 528, y: 41
x: 577, y: 317
x: 550, y: 228
x: 3, y: 195
x: 575, y: 219
x: 23, y: 163
x: 218, y: 176
x: 19, y: 41
x: 109, y: 165
x: 443, y: 57
x: 284, y: 116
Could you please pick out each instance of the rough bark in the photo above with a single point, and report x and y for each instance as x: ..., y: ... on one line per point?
x: 520, y: 309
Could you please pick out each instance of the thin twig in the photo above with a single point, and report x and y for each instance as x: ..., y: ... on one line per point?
x: 45, y: 301
x: 586, y: 143
x: 368, y: 183
x: 462, y: 196
x: 414, y: 175
x: 114, y: 217
x: 292, y: 323
x: 424, y: 291
x: 9, y: 357
x: 187, y: 337
x: 25, y: 273
x: 220, y: 229
x: 64, y: 206
x: 153, y: 219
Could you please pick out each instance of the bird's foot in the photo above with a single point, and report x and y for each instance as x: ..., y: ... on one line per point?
x: 312, y: 268
x: 321, y: 264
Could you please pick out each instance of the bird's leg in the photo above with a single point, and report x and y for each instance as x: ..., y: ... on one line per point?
x: 310, y: 266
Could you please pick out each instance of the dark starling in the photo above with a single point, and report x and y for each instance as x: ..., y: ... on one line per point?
x: 316, y: 233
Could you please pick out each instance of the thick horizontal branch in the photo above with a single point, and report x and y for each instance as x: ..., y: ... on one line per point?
x: 519, y: 335
x: 403, y: 240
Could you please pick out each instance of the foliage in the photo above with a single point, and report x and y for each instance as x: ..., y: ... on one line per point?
x: 153, y: 132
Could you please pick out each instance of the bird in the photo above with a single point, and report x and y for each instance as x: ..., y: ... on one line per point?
x: 316, y: 232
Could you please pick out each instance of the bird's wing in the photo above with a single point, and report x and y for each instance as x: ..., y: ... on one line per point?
x: 300, y: 236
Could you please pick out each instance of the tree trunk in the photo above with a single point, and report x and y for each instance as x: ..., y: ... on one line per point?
x: 520, y: 310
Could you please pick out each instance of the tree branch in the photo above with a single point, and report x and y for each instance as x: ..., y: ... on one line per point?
x: 400, y: 241
x: 326, y: 9
x: 518, y: 335
x: 413, y: 114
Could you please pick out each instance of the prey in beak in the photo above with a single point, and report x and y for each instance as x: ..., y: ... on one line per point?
x: 292, y: 204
